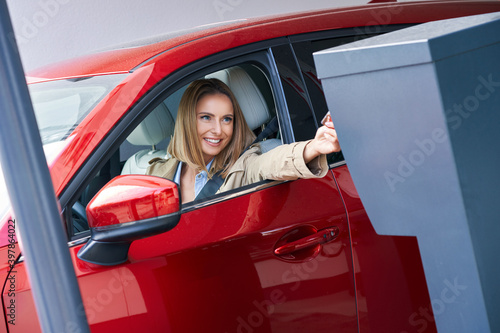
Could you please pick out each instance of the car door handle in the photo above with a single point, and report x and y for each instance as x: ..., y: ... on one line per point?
x: 321, y: 237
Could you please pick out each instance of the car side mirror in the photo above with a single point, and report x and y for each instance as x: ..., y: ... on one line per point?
x: 127, y: 208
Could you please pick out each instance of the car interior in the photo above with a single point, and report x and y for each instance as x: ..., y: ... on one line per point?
x: 151, y: 137
x: 158, y: 127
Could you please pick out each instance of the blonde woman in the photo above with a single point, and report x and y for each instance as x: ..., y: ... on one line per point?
x: 211, y: 136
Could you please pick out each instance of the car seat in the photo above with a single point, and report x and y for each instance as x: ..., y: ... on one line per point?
x: 252, y: 102
x: 160, y: 124
x: 157, y: 126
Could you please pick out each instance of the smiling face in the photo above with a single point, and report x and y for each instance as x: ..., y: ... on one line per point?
x: 214, y: 124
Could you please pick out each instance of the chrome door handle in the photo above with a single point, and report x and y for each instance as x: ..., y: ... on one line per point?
x: 321, y: 237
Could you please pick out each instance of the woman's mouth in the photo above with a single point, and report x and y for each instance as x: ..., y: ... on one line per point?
x: 212, y: 141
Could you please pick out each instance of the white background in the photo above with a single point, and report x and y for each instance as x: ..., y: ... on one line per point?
x: 48, y: 31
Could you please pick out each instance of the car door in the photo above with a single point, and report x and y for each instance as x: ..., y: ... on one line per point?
x: 219, y: 269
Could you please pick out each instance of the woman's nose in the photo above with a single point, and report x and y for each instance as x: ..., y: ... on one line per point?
x: 216, y: 128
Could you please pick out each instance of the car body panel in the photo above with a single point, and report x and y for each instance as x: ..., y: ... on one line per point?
x: 221, y: 275
x: 393, y: 275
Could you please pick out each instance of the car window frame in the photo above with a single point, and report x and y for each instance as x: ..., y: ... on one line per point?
x: 257, y: 53
x: 264, y: 61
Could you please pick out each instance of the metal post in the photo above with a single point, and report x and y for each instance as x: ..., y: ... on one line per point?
x: 50, y: 270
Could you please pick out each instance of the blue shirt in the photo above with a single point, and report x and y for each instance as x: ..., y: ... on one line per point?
x: 200, y: 180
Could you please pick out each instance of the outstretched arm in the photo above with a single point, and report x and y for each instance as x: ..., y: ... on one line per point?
x: 324, y: 142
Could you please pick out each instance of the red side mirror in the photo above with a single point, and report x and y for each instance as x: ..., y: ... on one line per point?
x: 132, y: 198
x: 128, y: 208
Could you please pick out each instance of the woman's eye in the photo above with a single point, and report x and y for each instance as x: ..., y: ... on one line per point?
x: 228, y: 120
x: 205, y: 117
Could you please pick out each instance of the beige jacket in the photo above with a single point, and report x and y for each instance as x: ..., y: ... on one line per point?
x: 285, y: 162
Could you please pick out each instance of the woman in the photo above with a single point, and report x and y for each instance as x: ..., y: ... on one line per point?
x: 210, y: 135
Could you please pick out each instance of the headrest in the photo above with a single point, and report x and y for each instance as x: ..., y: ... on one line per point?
x: 157, y: 126
x: 249, y: 97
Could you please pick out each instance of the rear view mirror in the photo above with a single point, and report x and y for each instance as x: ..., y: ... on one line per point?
x: 128, y: 208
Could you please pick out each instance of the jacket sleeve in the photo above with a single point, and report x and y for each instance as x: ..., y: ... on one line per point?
x: 285, y: 162
x: 162, y: 168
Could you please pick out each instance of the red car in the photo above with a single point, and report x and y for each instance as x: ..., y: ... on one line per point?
x: 275, y: 256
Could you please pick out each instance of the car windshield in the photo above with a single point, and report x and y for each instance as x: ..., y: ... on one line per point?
x: 61, y: 105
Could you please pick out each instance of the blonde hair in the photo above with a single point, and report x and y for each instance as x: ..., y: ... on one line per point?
x: 185, y: 145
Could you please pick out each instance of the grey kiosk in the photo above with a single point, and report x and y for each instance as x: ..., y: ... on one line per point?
x: 417, y: 112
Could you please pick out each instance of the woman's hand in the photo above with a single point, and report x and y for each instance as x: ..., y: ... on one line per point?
x: 324, y: 142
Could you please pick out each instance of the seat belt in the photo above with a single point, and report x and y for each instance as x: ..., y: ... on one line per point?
x: 271, y: 128
x: 213, y: 184
x: 211, y: 187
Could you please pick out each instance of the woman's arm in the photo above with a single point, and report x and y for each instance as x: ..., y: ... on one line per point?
x: 285, y: 162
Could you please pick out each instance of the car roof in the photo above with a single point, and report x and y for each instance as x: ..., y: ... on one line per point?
x: 127, y: 57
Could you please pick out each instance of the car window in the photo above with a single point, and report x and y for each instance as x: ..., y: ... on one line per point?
x: 303, y: 91
x: 304, y: 54
x: 61, y: 105
x: 151, y: 137
x: 299, y: 106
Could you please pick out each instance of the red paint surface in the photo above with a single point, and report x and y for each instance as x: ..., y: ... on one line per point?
x: 391, y: 290
x: 132, y: 198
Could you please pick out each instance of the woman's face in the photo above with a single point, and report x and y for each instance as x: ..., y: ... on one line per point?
x: 214, y: 123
